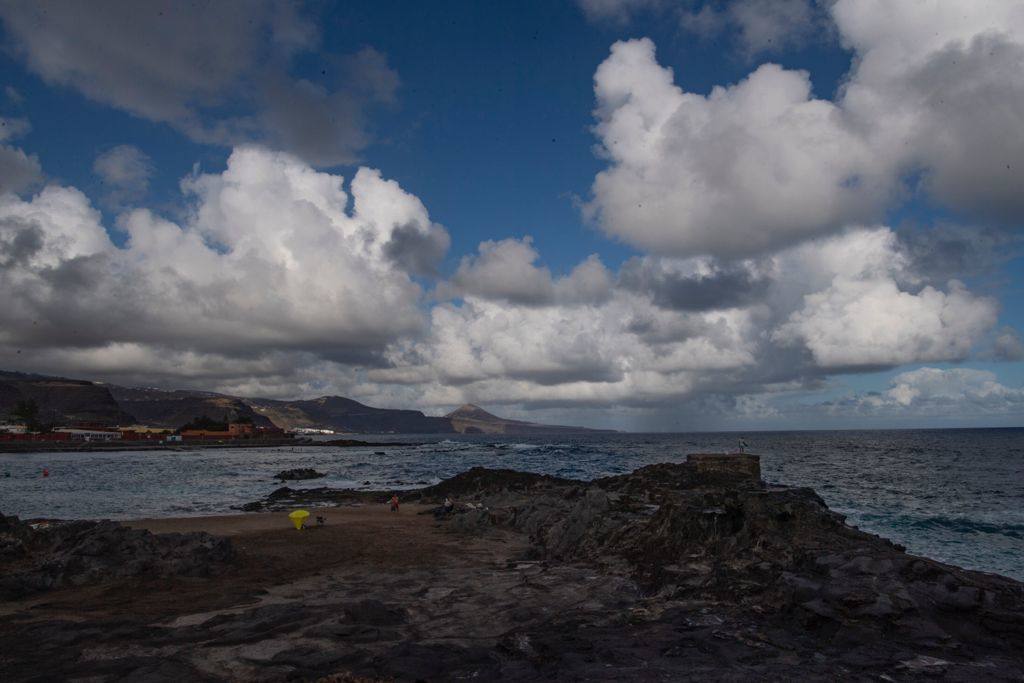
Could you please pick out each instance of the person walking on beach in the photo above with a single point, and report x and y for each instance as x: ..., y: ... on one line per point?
x: 394, y: 502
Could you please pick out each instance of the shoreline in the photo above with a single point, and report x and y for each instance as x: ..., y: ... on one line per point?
x: 113, y: 447
x: 675, y: 571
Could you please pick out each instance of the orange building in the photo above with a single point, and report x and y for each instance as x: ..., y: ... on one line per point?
x: 235, y: 430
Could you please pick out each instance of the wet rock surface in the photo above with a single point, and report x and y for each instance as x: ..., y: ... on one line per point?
x: 80, y: 553
x: 299, y: 474
x: 674, y: 572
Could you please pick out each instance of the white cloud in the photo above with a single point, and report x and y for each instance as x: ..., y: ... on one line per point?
x: 943, y: 82
x: 748, y: 168
x: 506, y: 270
x: 934, y: 98
x: 274, y: 258
x: 867, y: 315
x: 957, y: 392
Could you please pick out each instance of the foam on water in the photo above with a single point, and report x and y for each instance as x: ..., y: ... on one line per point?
x: 956, y: 495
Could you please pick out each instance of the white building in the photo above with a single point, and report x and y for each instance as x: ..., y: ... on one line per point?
x: 91, y: 434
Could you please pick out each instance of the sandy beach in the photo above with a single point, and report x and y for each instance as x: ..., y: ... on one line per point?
x: 272, y: 553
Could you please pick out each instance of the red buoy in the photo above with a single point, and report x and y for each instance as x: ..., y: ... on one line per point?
x: 46, y: 472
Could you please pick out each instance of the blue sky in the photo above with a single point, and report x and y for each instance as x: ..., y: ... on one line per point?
x: 485, y: 112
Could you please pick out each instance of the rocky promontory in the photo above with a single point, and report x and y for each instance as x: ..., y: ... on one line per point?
x: 691, y: 571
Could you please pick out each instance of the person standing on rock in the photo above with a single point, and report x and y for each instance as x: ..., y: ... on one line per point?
x: 394, y: 502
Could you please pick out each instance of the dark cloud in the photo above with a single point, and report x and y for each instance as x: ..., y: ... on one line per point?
x: 416, y: 251
x: 18, y: 171
x: 724, y: 287
x: 18, y: 243
x: 947, y: 251
x: 1008, y: 345
x: 196, y: 65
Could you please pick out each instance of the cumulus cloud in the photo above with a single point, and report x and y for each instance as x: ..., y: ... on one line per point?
x: 747, y: 169
x: 757, y: 279
x: 274, y: 258
x: 194, y: 66
x: 506, y: 270
x: 125, y: 171
x: 575, y: 354
x: 669, y: 331
x: 942, y: 82
x: 935, y: 392
x: 933, y: 103
x: 870, y: 314
x: 283, y: 281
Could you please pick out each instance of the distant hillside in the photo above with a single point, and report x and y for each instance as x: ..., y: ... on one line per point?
x: 345, y: 415
x: 64, y: 401
x: 61, y: 401
x: 471, y: 419
x: 172, y: 409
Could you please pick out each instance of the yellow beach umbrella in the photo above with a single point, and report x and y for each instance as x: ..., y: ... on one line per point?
x: 298, y: 518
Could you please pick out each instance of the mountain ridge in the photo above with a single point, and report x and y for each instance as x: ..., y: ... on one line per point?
x: 63, y: 400
x: 470, y: 418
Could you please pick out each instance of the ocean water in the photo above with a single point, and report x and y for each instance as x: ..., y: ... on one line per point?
x: 954, y: 495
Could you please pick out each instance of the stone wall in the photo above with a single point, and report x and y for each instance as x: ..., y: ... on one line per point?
x: 727, y: 465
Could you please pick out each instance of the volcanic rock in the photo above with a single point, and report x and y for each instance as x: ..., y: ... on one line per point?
x: 83, y: 552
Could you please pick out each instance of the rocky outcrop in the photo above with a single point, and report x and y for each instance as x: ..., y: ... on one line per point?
x: 79, y: 553
x: 695, y: 571
x: 777, y: 565
x: 298, y: 474
x: 709, y: 530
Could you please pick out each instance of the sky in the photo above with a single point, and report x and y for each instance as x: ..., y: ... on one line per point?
x: 636, y: 214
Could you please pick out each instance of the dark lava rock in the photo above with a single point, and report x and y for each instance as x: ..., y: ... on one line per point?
x: 698, y: 533
x: 299, y: 473
x: 768, y: 580
x: 83, y: 552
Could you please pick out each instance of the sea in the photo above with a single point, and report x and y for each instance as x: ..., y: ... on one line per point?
x: 955, y: 495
